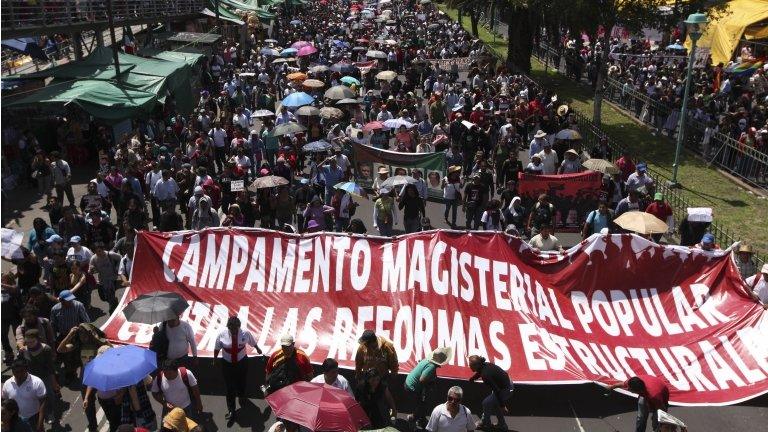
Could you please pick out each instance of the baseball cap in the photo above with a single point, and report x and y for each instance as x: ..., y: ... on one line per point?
x: 642, y: 167
x: 54, y: 238
x: 286, y: 340
x: 75, y: 239
x: 367, y: 336
x: 708, y: 238
x: 66, y: 295
x: 658, y: 196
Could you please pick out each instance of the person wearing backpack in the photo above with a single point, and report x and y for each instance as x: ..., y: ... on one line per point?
x: 597, y: 220
x: 543, y: 212
x: 176, y: 387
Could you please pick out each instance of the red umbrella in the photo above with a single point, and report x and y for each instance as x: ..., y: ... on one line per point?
x: 362, y: 40
x: 318, y: 407
x: 372, y: 126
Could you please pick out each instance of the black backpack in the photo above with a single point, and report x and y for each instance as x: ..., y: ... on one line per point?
x: 160, y: 343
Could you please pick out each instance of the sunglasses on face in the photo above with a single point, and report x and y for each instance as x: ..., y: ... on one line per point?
x: 453, y: 399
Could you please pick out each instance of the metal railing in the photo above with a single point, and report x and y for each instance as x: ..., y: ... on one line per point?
x: 20, y: 14
x: 742, y: 161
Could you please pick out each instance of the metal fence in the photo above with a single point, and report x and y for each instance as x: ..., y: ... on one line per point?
x: 742, y: 161
x: 20, y: 14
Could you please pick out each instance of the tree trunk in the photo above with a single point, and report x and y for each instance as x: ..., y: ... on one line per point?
x: 474, y: 17
x: 602, y: 69
x: 519, y: 39
x: 460, y: 16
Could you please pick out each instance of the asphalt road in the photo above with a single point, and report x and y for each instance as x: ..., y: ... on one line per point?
x: 542, y: 408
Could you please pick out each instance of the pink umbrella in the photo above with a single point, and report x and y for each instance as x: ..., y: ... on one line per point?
x: 318, y: 407
x: 300, y: 44
x: 305, y: 51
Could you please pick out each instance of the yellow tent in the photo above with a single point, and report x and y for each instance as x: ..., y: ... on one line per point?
x: 723, y: 34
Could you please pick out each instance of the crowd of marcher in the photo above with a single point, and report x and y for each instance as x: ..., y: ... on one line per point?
x: 240, y: 161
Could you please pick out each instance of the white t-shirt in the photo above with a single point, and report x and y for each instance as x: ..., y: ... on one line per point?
x: 549, y: 160
x: 450, y: 189
x: 760, y: 288
x: 179, y: 339
x: 340, y: 383
x: 82, y: 256
x: 551, y: 243
x: 174, y: 390
x: 442, y: 421
x: 224, y: 343
x: 27, y: 395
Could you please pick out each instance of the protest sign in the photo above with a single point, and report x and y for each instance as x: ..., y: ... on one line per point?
x: 610, y: 308
x: 11, y: 244
x: 369, y: 159
x: 573, y: 195
x: 237, y: 185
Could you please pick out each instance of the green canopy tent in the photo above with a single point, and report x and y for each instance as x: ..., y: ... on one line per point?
x: 152, y: 75
x: 104, y: 100
x: 192, y: 59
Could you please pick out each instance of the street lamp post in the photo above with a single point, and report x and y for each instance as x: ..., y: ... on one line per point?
x: 695, y: 25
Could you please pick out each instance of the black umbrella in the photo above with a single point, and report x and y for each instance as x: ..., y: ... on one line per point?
x: 155, y: 307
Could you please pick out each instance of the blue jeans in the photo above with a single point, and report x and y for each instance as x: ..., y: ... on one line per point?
x: 492, y: 407
x: 451, y: 205
x: 642, y: 416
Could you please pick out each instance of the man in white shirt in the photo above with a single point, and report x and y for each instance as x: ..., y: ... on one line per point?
x: 341, y: 159
x: 77, y: 252
x: 219, y: 137
x: 758, y: 286
x: 175, y: 387
x: 165, y: 189
x: 544, y: 241
x: 29, y: 393
x: 451, y: 416
x: 181, y: 338
x: 549, y: 159
x: 331, y: 376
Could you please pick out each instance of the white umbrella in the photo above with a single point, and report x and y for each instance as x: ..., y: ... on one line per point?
x: 568, y: 134
x: 397, y: 180
x: 396, y: 123
x: 386, y: 75
x: 376, y: 54
x: 262, y: 113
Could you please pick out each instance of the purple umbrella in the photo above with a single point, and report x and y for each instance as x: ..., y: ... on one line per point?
x: 305, y: 51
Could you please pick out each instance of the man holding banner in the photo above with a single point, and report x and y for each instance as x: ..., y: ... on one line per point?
x: 653, y: 395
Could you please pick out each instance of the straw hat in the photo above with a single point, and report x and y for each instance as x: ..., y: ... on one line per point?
x: 441, y: 356
x: 177, y: 421
x: 562, y: 110
x: 745, y: 248
x: 453, y: 168
x: 383, y: 170
x: 572, y: 151
x: 540, y: 134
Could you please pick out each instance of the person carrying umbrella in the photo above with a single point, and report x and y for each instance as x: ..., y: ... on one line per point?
x: 232, y: 343
x: 420, y: 380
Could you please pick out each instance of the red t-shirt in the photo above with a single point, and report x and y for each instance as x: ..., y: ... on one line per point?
x: 656, y: 392
x: 660, y: 210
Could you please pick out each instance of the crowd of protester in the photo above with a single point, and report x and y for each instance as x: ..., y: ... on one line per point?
x: 727, y: 98
x: 175, y: 172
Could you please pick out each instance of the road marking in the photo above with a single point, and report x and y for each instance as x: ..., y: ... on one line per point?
x: 576, y: 417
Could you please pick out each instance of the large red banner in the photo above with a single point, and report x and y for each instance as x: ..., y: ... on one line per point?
x: 573, y: 195
x: 609, y: 308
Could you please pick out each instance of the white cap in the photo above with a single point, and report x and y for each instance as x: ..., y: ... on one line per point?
x: 286, y: 340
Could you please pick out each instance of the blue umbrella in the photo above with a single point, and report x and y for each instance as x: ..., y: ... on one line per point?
x: 295, y: 22
x: 675, y: 47
x: 288, y: 52
x: 317, y: 146
x: 119, y: 367
x: 341, y: 44
x: 350, y: 80
x: 297, y: 100
x: 343, y: 67
x: 269, y: 52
